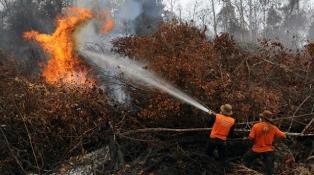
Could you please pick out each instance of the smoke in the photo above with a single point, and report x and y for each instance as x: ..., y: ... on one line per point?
x: 131, y: 17
x: 89, y: 36
x: 114, y: 65
x: 127, y: 18
x: 20, y: 16
x: 130, y: 10
x: 139, y: 17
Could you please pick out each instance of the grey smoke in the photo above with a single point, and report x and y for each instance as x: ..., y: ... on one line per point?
x: 18, y: 16
x: 130, y: 10
x: 132, y: 17
x: 127, y: 16
x: 115, y: 65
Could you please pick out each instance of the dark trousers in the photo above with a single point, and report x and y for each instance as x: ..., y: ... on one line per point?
x: 267, y: 157
x: 220, y: 145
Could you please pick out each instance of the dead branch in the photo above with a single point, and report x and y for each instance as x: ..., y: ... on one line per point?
x: 307, y: 126
x: 281, y: 118
x: 308, y: 97
x: 12, y: 154
x: 241, y: 169
x: 152, y: 130
x: 29, y: 136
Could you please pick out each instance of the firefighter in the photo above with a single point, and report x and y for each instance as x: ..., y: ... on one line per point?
x: 223, y: 124
x: 263, y: 134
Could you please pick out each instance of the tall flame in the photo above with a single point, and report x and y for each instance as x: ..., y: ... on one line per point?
x: 63, y: 66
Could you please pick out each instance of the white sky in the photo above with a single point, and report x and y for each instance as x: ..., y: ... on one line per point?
x: 187, y: 6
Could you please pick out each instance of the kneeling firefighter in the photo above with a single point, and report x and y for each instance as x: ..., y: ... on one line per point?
x: 223, y: 124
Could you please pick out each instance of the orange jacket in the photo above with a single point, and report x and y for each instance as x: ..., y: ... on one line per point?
x: 222, y: 127
x: 263, y: 135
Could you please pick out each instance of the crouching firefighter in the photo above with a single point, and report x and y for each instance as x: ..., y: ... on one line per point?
x: 223, y: 124
x: 263, y: 134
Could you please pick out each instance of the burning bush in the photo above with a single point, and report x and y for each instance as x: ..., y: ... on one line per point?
x: 42, y: 125
x: 64, y: 66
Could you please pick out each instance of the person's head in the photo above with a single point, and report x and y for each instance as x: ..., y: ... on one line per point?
x: 226, y: 109
x: 266, y: 116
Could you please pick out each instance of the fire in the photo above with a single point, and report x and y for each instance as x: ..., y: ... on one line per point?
x: 104, y: 21
x: 108, y: 26
x: 64, y: 65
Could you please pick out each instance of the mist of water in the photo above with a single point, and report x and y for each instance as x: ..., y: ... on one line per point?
x: 135, y: 71
x: 129, y: 13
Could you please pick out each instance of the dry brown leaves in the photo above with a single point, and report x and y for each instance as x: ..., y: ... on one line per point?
x: 219, y: 71
x: 41, y: 124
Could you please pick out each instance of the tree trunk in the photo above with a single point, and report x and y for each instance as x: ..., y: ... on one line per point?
x: 242, y: 20
x: 264, y: 17
x: 224, y: 16
x: 172, y: 6
x: 214, y: 16
x: 251, y: 20
x: 194, y: 10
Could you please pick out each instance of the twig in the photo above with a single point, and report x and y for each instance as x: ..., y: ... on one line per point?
x: 298, y: 110
x: 276, y: 119
x: 307, y: 126
x: 78, y: 138
x: 286, y: 68
x: 135, y: 139
x: 8, y: 145
x: 241, y: 169
x: 29, y: 136
x: 145, y: 130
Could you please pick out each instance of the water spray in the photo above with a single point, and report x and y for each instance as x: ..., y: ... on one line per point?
x: 135, y: 71
x: 130, y: 69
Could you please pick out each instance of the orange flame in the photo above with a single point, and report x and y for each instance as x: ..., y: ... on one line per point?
x: 108, y: 26
x: 64, y: 66
x: 108, y: 23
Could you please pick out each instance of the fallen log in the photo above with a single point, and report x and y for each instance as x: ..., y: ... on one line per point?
x: 152, y: 130
x: 281, y: 118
